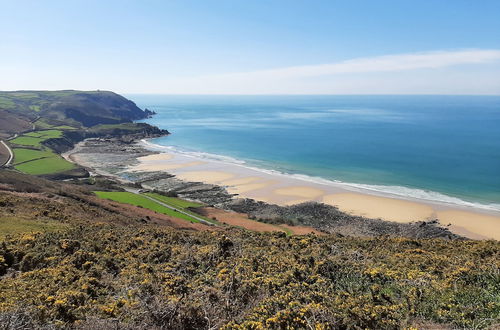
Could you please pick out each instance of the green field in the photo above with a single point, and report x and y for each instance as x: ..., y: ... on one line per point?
x: 22, y: 155
x: 65, y: 127
x: 179, y: 204
x: 27, y: 141
x: 138, y: 200
x: 47, y: 165
x: 175, y: 202
x: 48, y: 134
x: 42, y: 161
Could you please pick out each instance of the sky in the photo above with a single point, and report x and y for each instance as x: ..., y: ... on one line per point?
x: 252, y: 47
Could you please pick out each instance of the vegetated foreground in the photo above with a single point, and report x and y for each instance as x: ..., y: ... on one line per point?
x: 161, y: 277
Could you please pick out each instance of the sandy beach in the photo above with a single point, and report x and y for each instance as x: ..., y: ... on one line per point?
x: 283, y: 189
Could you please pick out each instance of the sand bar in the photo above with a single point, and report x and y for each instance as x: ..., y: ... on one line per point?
x: 241, y: 181
x: 163, y: 167
x: 245, y: 188
x: 300, y: 191
x: 212, y: 177
x: 155, y: 157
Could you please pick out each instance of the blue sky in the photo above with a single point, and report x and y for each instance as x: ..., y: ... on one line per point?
x: 254, y: 47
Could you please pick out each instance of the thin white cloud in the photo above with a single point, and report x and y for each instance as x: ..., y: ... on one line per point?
x: 379, y: 75
x: 388, y: 63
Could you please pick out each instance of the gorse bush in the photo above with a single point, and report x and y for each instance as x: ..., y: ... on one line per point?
x: 166, y: 278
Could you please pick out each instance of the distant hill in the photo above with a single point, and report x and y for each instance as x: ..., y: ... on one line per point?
x: 85, y: 108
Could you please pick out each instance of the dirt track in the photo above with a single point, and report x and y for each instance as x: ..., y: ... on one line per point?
x: 242, y: 220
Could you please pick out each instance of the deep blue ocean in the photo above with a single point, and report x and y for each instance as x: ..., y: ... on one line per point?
x: 417, y: 146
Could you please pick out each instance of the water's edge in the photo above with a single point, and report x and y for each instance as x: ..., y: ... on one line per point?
x: 380, y: 190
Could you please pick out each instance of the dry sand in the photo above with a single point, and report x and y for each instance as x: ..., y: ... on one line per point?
x: 163, y: 167
x: 240, y: 189
x: 482, y: 225
x: 155, y: 157
x: 241, y: 181
x: 300, y: 191
x: 213, y: 177
x: 380, y: 207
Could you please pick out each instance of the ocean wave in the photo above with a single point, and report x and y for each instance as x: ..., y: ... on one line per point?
x: 383, y: 190
x: 192, y: 153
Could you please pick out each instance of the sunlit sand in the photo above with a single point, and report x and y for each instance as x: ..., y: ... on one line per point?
x: 212, y: 177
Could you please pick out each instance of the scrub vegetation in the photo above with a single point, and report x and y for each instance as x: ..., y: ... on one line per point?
x: 159, y: 277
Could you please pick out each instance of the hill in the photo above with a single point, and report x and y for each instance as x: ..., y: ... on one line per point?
x: 38, y: 125
x: 74, y: 108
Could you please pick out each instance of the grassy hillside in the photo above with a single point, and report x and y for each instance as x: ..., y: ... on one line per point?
x: 75, y: 107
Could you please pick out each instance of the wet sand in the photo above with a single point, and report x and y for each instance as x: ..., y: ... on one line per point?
x: 288, y: 190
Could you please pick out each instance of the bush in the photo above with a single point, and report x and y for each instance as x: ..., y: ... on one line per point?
x: 151, y: 277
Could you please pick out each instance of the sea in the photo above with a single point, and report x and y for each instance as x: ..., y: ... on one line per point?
x: 435, y: 148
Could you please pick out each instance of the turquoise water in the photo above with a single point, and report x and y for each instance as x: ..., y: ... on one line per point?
x: 432, y: 147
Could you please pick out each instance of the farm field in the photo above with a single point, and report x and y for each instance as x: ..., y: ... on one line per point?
x: 22, y: 155
x: 27, y: 141
x: 46, y: 134
x: 49, y: 165
x: 38, y: 160
x: 180, y: 204
x: 138, y: 200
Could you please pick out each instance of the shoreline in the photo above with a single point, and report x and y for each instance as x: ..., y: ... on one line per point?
x: 282, y: 189
x: 447, y: 201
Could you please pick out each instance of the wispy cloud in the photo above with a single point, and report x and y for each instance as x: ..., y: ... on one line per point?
x: 400, y: 62
x: 459, y: 72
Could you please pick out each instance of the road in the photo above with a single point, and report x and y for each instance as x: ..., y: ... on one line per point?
x: 11, y: 155
x: 136, y: 191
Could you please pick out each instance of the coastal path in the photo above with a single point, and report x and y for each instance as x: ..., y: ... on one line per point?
x: 11, y: 155
x: 136, y: 191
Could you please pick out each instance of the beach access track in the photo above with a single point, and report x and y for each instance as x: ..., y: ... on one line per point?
x: 11, y: 155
